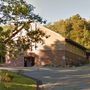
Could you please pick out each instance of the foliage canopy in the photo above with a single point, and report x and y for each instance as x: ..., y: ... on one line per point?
x: 75, y: 28
x: 16, y: 15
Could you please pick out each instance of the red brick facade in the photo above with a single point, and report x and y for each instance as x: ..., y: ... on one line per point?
x: 56, y: 58
x: 56, y: 52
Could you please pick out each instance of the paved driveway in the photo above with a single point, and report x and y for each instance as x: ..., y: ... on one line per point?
x: 60, y: 79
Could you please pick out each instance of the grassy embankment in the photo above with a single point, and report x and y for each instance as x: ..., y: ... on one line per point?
x: 13, y: 81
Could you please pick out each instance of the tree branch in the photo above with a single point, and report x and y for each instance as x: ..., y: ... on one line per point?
x: 17, y: 31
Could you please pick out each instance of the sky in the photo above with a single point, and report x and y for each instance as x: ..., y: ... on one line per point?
x: 53, y: 10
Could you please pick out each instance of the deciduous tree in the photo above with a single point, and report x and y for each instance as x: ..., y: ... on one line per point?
x: 18, y: 15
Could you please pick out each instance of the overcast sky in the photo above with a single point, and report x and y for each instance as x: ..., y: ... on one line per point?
x: 53, y: 10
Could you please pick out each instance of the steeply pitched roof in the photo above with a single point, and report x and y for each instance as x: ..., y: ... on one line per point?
x: 63, y: 38
x: 50, y: 31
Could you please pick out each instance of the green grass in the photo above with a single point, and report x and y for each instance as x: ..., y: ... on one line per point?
x: 18, y: 82
x: 85, y: 67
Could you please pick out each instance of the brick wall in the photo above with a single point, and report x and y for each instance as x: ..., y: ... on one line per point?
x: 62, y: 58
x: 54, y: 58
x: 74, y: 59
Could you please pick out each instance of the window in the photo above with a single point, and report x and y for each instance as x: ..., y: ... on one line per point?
x: 63, y: 57
x: 2, y: 59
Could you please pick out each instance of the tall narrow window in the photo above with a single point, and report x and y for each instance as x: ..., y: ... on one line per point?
x: 2, y: 59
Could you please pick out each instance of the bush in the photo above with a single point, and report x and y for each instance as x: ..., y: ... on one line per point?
x: 6, y: 77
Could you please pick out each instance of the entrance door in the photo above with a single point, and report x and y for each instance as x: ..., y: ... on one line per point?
x: 29, y: 61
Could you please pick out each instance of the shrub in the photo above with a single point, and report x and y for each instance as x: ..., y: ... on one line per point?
x: 6, y: 77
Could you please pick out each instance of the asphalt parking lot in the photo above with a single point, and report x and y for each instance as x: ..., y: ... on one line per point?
x: 62, y: 79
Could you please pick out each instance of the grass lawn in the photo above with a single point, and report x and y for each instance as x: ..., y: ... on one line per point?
x: 85, y: 67
x: 17, y: 82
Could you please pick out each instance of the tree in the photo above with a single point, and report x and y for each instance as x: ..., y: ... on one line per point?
x: 75, y: 28
x: 18, y: 15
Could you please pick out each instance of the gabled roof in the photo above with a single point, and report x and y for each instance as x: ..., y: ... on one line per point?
x: 61, y: 38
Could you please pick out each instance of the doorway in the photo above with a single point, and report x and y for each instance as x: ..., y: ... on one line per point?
x: 29, y: 61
